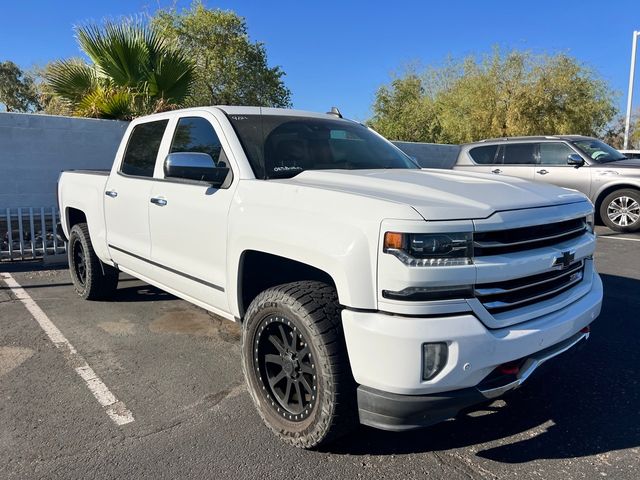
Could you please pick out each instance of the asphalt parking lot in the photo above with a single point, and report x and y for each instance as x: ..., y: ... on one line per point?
x: 176, y: 370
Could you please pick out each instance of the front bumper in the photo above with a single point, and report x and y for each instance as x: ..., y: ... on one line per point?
x: 385, y: 353
x: 389, y: 411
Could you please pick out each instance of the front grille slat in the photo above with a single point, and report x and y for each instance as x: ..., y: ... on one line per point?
x: 527, y: 282
x: 496, y: 298
x: 526, y: 238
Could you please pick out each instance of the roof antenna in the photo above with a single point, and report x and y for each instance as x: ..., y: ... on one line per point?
x: 335, y: 111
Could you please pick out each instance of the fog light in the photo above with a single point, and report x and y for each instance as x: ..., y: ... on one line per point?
x: 434, y: 358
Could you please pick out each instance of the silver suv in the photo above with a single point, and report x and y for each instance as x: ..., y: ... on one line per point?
x: 606, y: 176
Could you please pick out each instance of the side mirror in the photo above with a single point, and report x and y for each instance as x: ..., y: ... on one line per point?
x: 575, y: 160
x: 195, y: 166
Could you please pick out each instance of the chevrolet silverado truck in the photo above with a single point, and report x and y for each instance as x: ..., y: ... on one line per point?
x: 368, y: 290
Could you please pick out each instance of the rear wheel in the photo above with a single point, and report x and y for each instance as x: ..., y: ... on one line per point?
x: 92, y: 279
x: 620, y: 210
x: 296, y: 365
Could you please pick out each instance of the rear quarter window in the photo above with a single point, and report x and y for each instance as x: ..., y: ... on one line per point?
x: 142, y: 148
x: 485, y: 155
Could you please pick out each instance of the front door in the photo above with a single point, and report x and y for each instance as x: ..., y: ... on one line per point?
x: 188, y: 220
x: 553, y: 168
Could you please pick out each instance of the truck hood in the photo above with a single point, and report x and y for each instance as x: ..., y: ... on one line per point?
x: 440, y: 194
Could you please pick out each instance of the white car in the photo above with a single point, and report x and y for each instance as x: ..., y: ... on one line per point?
x: 630, y: 153
x: 369, y: 290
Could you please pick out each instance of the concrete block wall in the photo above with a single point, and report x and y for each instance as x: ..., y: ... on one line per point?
x: 431, y: 155
x: 34, y: 149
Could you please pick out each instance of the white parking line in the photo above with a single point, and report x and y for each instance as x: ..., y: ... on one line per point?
x: 619, y: 238
x: 116, y: 410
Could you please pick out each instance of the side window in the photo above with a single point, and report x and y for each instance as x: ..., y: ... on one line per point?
x: 142, y: 149
x: 520, y: 154
x: 196, y: 134
x: 554, y: 153
x: 485, y: 155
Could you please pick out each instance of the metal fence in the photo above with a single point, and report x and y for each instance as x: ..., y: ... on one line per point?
x: 29, y: 233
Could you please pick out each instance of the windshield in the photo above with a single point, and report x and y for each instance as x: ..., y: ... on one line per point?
x: 599, y: 151
x: 280, y: 146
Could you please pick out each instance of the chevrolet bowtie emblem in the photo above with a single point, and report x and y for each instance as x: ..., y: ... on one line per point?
x: 565, y: 260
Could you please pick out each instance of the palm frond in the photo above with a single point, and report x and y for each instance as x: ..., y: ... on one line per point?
x: 119, y: 50
x: 71, y: 79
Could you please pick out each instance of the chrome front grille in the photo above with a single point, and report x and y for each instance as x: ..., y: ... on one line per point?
x: 526, y: 238
x: 503, y: 296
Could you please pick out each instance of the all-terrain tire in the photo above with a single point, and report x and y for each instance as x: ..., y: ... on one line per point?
x: 92, y: 279
x: 310, y: 313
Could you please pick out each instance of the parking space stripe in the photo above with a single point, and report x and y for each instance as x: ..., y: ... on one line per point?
x: 116, y: 410
x: 619, y: 238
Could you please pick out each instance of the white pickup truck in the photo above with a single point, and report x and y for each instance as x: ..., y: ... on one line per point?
x: 368, y: 290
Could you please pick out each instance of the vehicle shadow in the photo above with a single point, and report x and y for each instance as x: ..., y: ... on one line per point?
x: 584, y: 403
x: 140, y: 293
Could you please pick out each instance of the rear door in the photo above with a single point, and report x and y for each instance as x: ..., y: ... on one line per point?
x: 516, y: 160
x: 553, y: 168
x: 188, y: 219
x: 126, y: 202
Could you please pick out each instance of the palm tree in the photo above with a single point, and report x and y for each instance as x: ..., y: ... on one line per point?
x: 133, y: 72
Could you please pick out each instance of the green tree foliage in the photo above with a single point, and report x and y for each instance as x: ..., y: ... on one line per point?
x: 17, y: 89
x: 497, y: 96
x: 133, y: 71
x: 231, y: 70
x: 614, y: 135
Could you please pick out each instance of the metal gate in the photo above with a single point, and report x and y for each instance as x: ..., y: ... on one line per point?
x: 29, y: 233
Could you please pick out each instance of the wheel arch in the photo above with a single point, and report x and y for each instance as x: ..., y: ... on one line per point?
x: 259, y: 270
x: 73, y: 216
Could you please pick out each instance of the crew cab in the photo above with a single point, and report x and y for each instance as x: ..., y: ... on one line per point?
x: 369, y: 290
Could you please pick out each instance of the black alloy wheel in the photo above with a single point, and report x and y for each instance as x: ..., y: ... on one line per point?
x: 79, y: 261
x: 284, y: 364
x: 92, y: 279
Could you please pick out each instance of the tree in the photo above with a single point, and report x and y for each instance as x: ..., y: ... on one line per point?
x: 17, y: 89
x: 133, y: 72
x: 614, y: 135
x: 497, y: 96
x: 231, y: 70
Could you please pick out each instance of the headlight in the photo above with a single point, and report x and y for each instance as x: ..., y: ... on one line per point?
x: 590, y: 222
x: 430, y: 249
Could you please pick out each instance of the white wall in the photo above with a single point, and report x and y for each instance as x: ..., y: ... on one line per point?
x: 34, y: 149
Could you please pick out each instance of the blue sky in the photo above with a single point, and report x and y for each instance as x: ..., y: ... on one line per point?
x: 340, y: 52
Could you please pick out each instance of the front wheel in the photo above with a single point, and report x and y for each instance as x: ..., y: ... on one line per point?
x: 620, y: 210
x: 92, y: 279
x: 296, y: 366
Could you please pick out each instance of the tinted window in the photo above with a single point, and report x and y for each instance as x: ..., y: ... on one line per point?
x: 142, y: 149
x: 282, y: 146
x: 520, y: 154
x: 485, y: 155
x: 554, y: 153
x: 195, y: 134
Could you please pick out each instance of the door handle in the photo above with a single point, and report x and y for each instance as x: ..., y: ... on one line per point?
x: 543, y: 171
x: 161, y: 202
x: 497, y: 170
x: 111, y: 193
